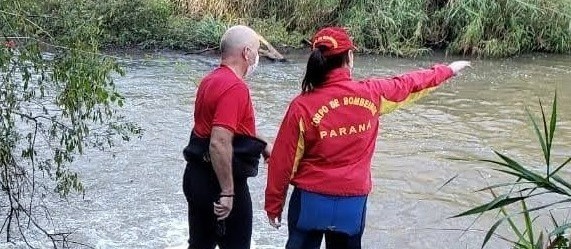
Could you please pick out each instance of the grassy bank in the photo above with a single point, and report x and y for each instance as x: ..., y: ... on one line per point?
x: 491, y: 28
x: 476, y: 27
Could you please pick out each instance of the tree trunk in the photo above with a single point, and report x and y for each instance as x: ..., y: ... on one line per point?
x: 271, y: 52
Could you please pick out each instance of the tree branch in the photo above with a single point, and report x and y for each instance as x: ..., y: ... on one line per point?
x: 61, y: 47
x: 35, y: 119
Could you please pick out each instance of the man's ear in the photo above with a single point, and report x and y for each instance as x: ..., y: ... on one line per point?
x: 245, y: 53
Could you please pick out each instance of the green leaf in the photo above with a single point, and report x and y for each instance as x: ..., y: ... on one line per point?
x: 500, y: 201
x: 510, y: 221
x: 564, y: 183
x: 447, y: 182
x: 491, y: 231
x: 548, y: 205
x: 518, y: 245
x: 510, y: 163
x: 539, y: 244
x: 560, y: 167
x: 514, y: 173
x: 528, y: 222
x: 542, y: 184
x: 538, y: 133
x: 526, y: 174
x: 553, y: 219
x: 553, y: 122
x: 547, y: 151
x: 560, y: 229
x: 503, y: 184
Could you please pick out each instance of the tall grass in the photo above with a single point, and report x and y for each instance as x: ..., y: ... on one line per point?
x: 133, y: 22
x: 529, y: 185
x: 219, y: 9
x: 188, y: 34
x: 408, y: 28
x: 301, y: 15
x: 388, y: 26
x: 276, y: 32
x: 508, y: 27
x: 494, y: 28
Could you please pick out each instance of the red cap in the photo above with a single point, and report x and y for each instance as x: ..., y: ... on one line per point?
x: 336, y: 40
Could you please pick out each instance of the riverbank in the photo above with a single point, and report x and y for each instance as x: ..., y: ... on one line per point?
x: 487, y: 28
x: 483, y: 28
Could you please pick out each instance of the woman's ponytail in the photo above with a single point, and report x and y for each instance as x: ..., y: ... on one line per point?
x: 315, y: 72
x: 318, y: 66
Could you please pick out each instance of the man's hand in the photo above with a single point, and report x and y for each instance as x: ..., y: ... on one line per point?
x: 458, y: 66
x: 275, y: 222
x: 267, y: 152
x: 223, y: 207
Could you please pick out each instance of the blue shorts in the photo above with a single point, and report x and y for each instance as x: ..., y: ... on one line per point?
x: 312, y: 216
x: 331, y: 213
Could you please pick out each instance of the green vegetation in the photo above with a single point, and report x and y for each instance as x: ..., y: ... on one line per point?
x: 491, y: 28
x: 395, y: 27
x: 408, y: 28
x: 508, y: 27
x: 528, y: 186
x: 57, y: 98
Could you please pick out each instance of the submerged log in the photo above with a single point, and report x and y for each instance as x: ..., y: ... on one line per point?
x: 271, y: 53
x: 306, y: 42
x: 208, y: 49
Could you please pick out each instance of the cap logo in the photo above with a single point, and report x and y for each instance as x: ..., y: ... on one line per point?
x: 328, y: 38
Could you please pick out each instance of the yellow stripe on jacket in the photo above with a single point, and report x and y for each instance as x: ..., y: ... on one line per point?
x: 388, y: 106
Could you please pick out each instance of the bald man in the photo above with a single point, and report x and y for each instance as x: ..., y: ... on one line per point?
x: 223, y: 150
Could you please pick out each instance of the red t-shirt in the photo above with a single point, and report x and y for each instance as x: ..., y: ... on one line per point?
x: 327, y: 138
x: 223, y: 99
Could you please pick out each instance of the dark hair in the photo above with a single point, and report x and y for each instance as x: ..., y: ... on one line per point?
x: 318, y: 66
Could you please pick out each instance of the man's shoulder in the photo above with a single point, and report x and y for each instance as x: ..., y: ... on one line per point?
x: 222, y: 79
x: 223, y: 73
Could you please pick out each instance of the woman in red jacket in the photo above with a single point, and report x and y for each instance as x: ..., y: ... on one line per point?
x: 327, y: 139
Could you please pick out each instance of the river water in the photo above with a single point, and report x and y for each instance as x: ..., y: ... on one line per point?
x: 135, y: 199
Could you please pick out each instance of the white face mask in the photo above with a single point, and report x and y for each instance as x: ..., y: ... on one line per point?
x: 252, y: 68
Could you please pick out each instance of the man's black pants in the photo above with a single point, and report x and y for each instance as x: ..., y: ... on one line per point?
x: 202, y: 189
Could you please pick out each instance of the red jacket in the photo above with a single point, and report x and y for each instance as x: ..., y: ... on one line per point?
x: 327, y: 137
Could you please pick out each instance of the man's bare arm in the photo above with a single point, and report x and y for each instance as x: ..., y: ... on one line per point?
x: 221, y: 156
